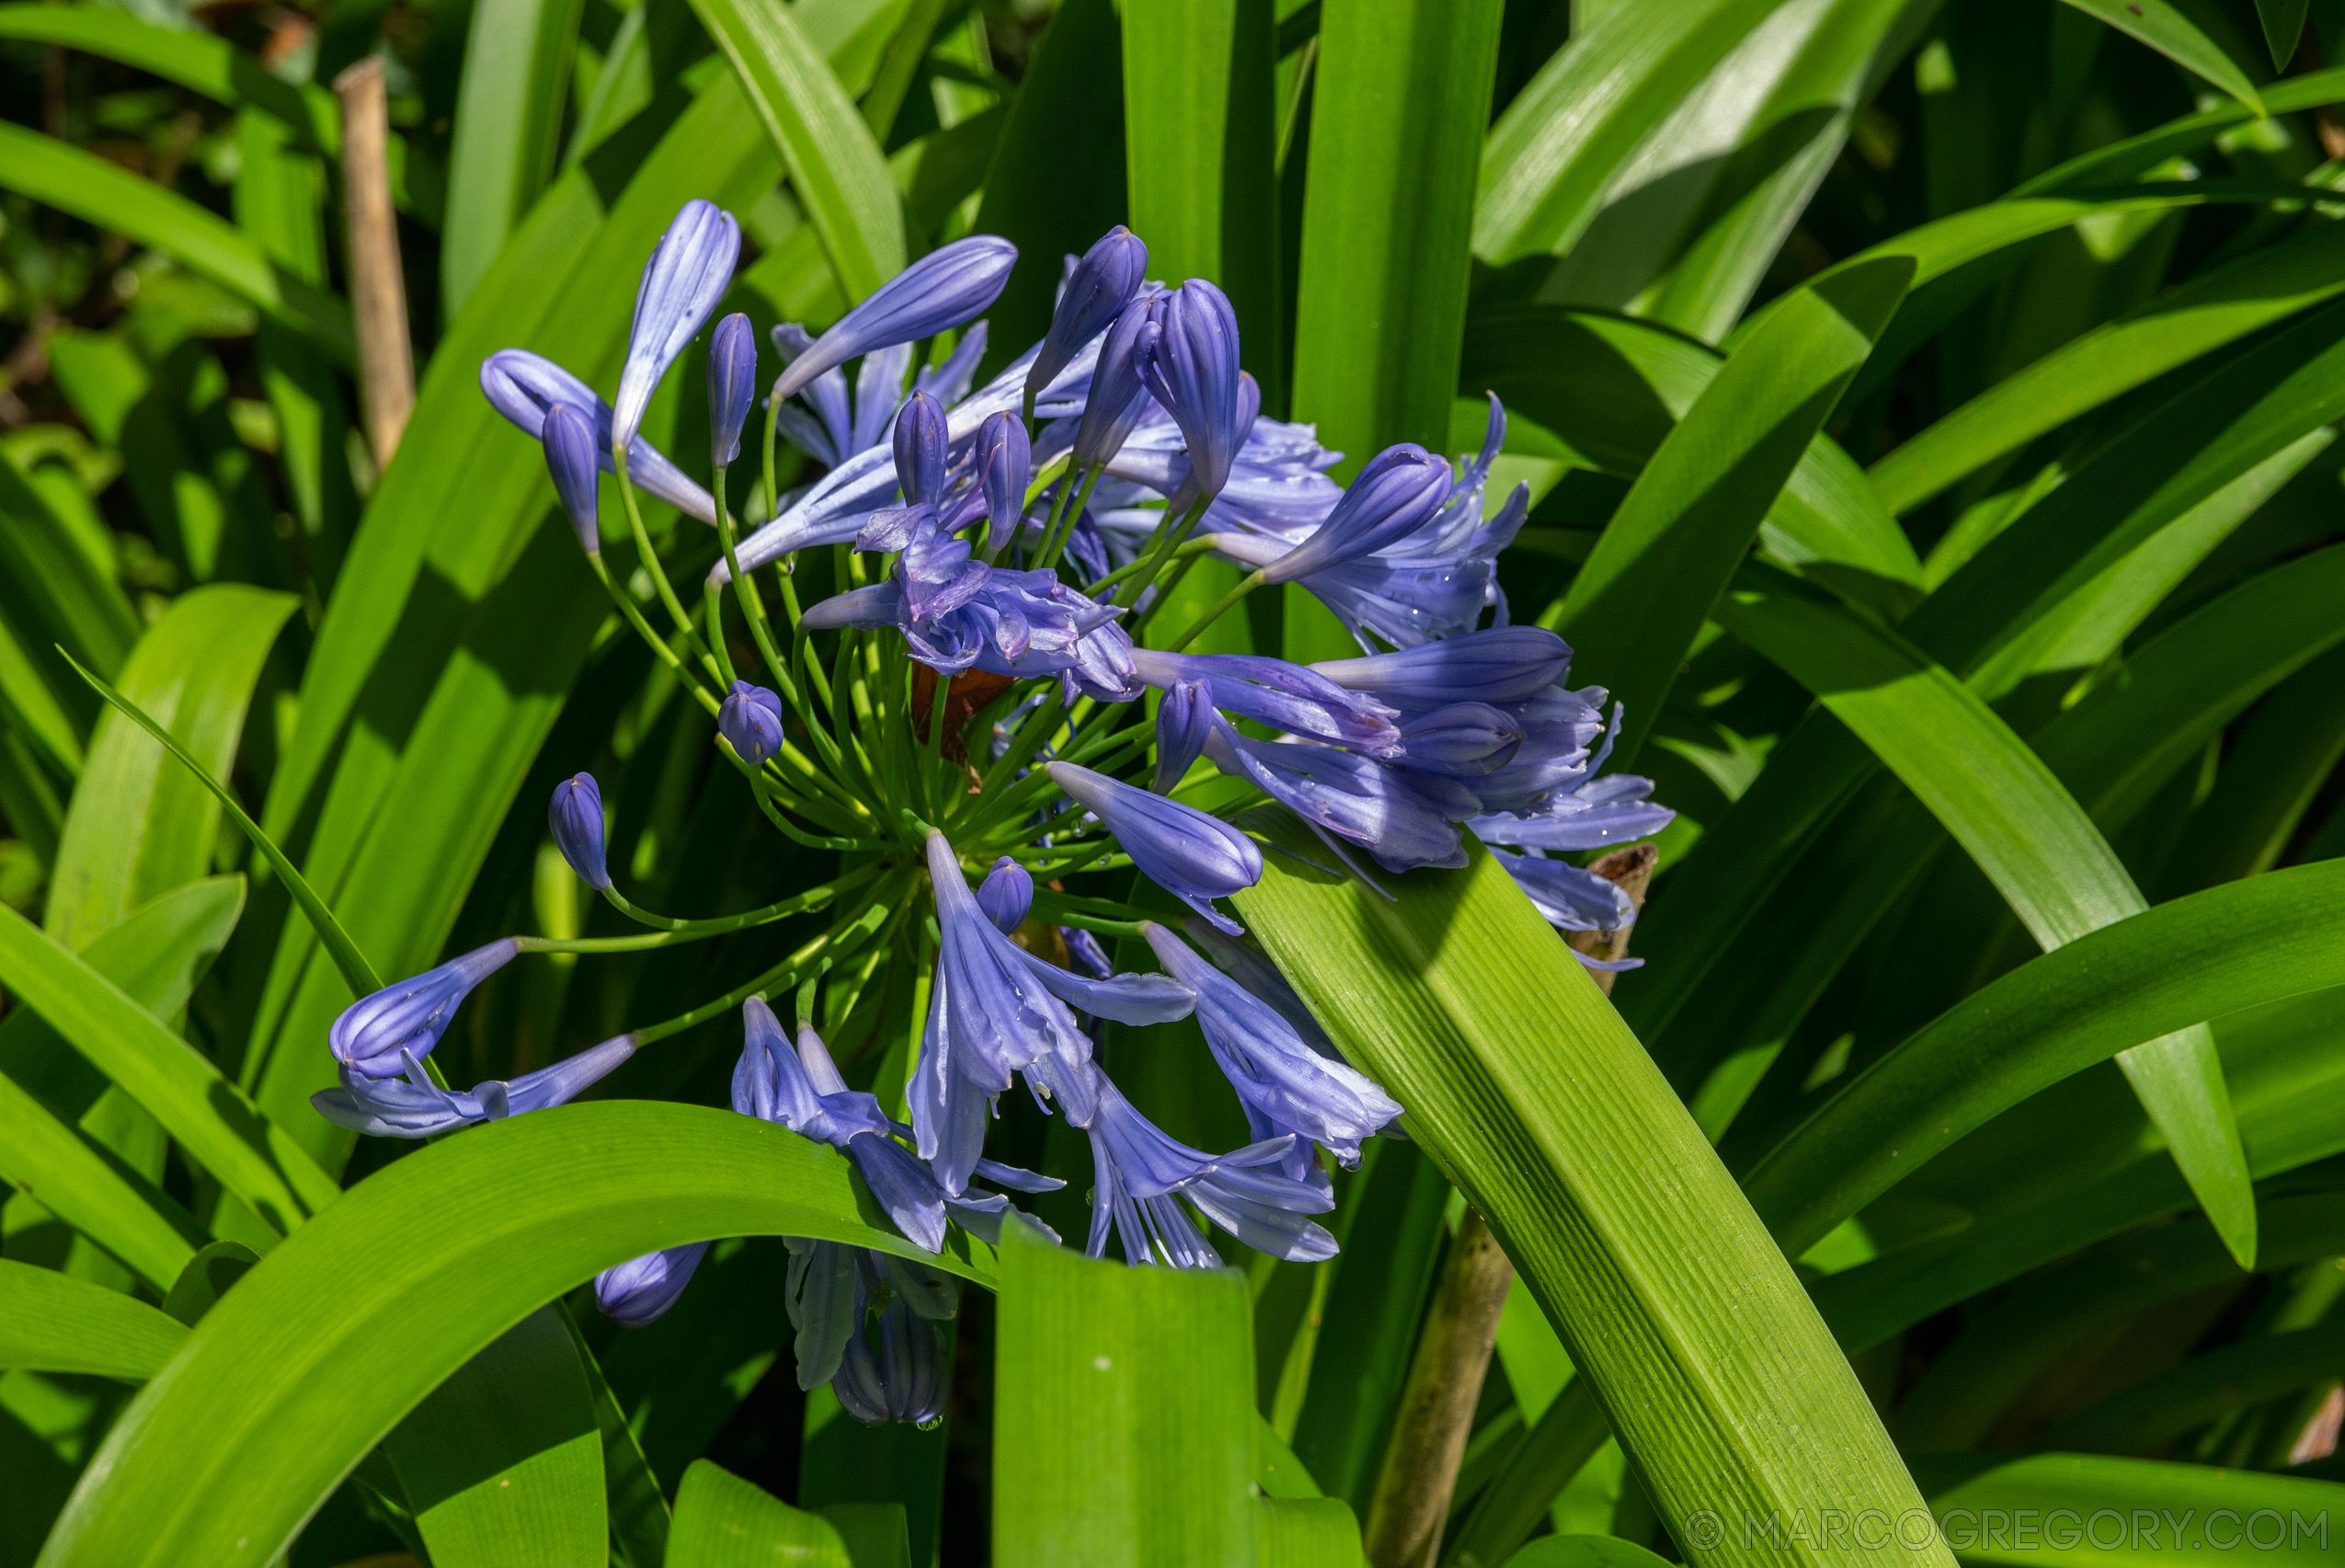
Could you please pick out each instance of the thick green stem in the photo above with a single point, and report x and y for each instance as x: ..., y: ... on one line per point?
x: 1252, y: 581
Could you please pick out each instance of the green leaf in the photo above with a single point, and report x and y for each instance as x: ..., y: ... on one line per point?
x: 274, y: 1401
x: 638, y: 1509
x: 1675, y: 1306
x: 507, y: 124
x: 2139, y: 979
x: 85, y: 1184
x: 51, y: 1322
x: 201, y: 61
x: 1305, y: 1532
x: 502, y: 1463
x: 216, y: 1125
x: 722, y: 1521
x: 1555, y: 150
x: 2283, y: 24
x: 835, y: 164
x: 1563, y: 1440
x: 2155, y: 1503
x: 56, y: 594
x: 1398, y: 103
x: 2164, y: 28
x: 87, y: 186
x: 2145, y: 1418
x: 1126, y: 1395
x: 1583, y: 1552
x: 207, y: 1277
x: 1636, y: 604
x: 139, y: 825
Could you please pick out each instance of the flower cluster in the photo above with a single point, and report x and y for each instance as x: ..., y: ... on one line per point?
x: 995, y: 558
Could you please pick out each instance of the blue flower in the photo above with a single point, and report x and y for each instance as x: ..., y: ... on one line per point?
x: 377, y: 1035
x: 575, y: 816
x: 1501, y: 664
x: 1194, y: 856
x: 688, y: 273
x: 732, y: 387
x: 1184, y: 720
x: 636, y: 1292
x: 1572, y: 899
x: 525, y: 387
x: 1095, y: 291
x: 750, y: 717
x: 1005, y: 467
x: 570, y: 456
x: 1007, y: 893
x: 1398, y: 493
x: 1615, y: 809
x: 904, y: 1381
x: 1192, y: 370
x: 1554, y: 758
x: 941, y: 290
x: 1463, y: 739
x: 1286, y: 696
x: 955, y: 612
x: 1285, y: 1085
x: 1349, y: 796
x: 1118, y: 396
x: 416, y: 1107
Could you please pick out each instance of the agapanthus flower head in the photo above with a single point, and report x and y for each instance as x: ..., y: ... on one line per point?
x: 1192, y: 855
x: 1501, y: 664
x: 641, y: 1289
x: 688, y: 273
x: 1193, y: 371
x: 525, y: 387
x: 378, y: 1035
x: 732, y: 387
x: 1184, y: 720
x: 750, y: 718
x: 412, y: 1106
x: 1119, y: 396
x: 571, y: 455
x: 1005, y: 467
x: 940, y: 291
x: 1286, y: 696
x: 1100, y: 284
x: 575, y: 814
x: 1398, y: 493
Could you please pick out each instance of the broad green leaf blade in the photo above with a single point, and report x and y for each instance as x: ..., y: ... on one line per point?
x: 508, y: 117
x: 87, y: 186
x: 85, y: 1184
x: 51, y: 1322
x: 1125, y: 1395
x: 874, y: 1534
x: 2173, y: 1514
x: 844, y: 1464
x: 274, y: 1401
x: 208, y: 1276
x: 1305, y: 1532
x: 722, y: 1521
x: 1583, y: 1552
x: 638, y: 1509
x: 2013, y: 817
x: 1635, y: 606
x: 2138, y: 979
x: 835, y: 164
x: 2283, y: 24
x: 2153, y: 1411
x: 140, y: 826
x: 1557, y: 147
x: 1400, y: 100
x: 1676, y: 1308
x: 2164, y: 28
x: 502, y: 1463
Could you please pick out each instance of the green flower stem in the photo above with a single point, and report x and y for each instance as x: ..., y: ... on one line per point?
x: 1054, y: 542
x: 1246, y: 585
x: 935, y: 775
x: 1067, y: 908
x: 753, y: 607
x: 649, y: 559
x: 839, y: 939
x: 797, y: 903
x: 1058, y: 511
x: 763, y: 789
x: 712, y: 610
x: 668, y: 655
x: 1168, y: 539
x: 1191, y: 547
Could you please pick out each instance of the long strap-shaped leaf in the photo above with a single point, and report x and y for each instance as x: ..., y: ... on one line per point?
x: 835, y: 164
x: 339, y: 1332
x: 1523, y: 1082
x: 2173, y: 1514
x: 2026, y: 831
x: 211, y: 1119
x: 87, y: 186
x: 1635, y: 606
x: 82, y: 1183
x: 52, y: 1322
x: 201, y: 61
x: 2164, y: 28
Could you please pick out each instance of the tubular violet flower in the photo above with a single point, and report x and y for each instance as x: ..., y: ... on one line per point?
x: 570, y: 457
x: 381, y: 1035
x: 732, y: 387
x: 1099, y: 286
x: 688, y: 273
x: 1194, y: 857
x: 941, y: 290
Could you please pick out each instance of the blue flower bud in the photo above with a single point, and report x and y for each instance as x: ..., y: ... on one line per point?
x: 752, y: 720
x: 1499, y: 664
x: 1394, y: 496
x: 904, y: 1382
x: 688, y: 273
x: 1102, y: 284
x: 575, y: 816
x: 1005, y: 467
x: 941, y: 290
x: 571, y: 458
x: 1194, y: 372
x: 1006, y: 894
x: 524, y: 387
x: 640, y: 1289
x: 1184, y: 720
x: 1194, y: 856
x: 1464, y: 739
x: 922, y: 444
x: 405, y: 1019
x: 1118, y: 396
x: 732, y: 387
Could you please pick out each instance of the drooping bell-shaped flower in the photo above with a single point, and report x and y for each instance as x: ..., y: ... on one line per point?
x: 1005, y: 467
x: 575, y: 814
x: 1193, y: 371
x: 525, y: 387
x: 1184, y: 720
x: 903, y: 1380
x: 688, y: 273
x: 1192, y: 855
x: 1119, y: 396
x: 750, y: 717
x: 732, y: 387
x: 571, y: 457
x: 1398, y: 493
x: 1102, y: 284
x: 377, y: 1034
x: 1007, y: 893
x: 941, y: 290
x: 414, y: 1106
x: 638, y: 1291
